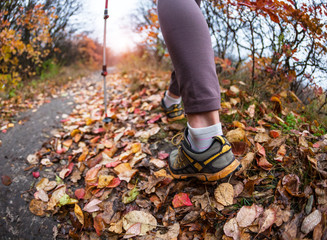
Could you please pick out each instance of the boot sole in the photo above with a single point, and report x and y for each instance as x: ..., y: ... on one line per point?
x: 210, y: 177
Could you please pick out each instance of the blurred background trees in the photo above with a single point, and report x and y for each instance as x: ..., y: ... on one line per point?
x: 35, y: 37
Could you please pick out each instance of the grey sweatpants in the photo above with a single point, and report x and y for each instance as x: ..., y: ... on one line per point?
x: 188, y: 40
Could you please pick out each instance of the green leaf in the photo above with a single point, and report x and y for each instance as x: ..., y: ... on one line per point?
x: 66, y: 199
x: 131, y: 195
x: 59, y: 180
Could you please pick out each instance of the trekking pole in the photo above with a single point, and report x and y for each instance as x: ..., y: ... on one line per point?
x: 104, y: 67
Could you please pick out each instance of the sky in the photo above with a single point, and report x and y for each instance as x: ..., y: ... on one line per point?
x: 120, y: 37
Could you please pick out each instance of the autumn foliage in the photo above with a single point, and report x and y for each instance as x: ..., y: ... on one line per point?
x: 34, y: 35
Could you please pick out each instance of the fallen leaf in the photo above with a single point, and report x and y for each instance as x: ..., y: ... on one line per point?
x: 66, y: 200
x: 147, y: 221
x: 238, y: 124
x: 123, y: 167
x: 246, y: 162
x: 38, y: 207
x: 311, y: 221
x: 251, y: 111
x: 239, y: 148
x: 36, y: 174
x: 163, y: 155
x: 136, y: 147
x: 99, y: 225
x: 116, y: 227
x: 261, y: 137
x: 291, y: 183
x: 158, y: 163
x: 274, y: 133
x: 181, y: 200
x: 282, y: 150
x: 134, y: 230
x: 91, y: 174
x: 224, y: 194
x: 127, y: 175
x: 246, y: 215
x: 79, y: 213
x: 236, y: 135
x: 264, y: 164
x: 80, y: 193
x: 114, y: 183
x: 267, y: 220
x: 231, y: 229
x: 130, y: 196
x: 171, y: 234
x: 42, y: 195
x: 260, y: 149
x: 92, y: 206
x: 32, y: 159
x: 6, y: 180
x: 104, y: 180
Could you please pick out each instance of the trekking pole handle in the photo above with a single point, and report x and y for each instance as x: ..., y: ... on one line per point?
x: 106, y: 10
x: 106, y: 16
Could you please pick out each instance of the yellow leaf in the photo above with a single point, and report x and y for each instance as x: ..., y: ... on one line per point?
x: 122, y: 168
x: 74, y: 132
x: 136, y: 147
x: 79, y: 213
x: 104, y: 180
x: 236, y: 135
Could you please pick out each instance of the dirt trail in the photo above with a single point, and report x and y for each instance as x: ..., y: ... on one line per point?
x: 16, y: 221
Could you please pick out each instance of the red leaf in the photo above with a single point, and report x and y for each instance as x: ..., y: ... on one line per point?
x: 264, y: 164
x: 162, y: 155
x: 80, y: 193
x: 36, y: 174
x: 261, y: 150
x: 239, y: 148
x: 181, y: 200
x: 6, y: 180
x: 98, y: 224
x: 112, y: 164
x: 99, y: 130
x: 274, y: 134
x: 70, y: 168
x: 114, y: 183
x: 155, y: 119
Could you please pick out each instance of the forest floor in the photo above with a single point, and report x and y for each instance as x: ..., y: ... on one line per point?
x: 83, y: 179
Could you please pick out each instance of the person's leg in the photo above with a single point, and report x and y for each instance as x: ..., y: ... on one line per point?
x: 188, y: 40
x: 203, y: 153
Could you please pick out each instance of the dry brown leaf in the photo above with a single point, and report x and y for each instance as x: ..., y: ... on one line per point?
x: 147, y: 221
x: 231, y: 229
x: 267, y: 220
x: 224, y: 194
x: 246, y: 215
x: 262, y: 138
x: 246, y: 162
x: 311, y: 221
x: 171, y: 234
x: 38, y: 207
x: 116, y: 227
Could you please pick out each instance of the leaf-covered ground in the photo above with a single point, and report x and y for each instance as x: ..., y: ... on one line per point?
x: 111, y: 181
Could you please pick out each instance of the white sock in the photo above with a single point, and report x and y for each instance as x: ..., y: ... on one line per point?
x: 201, y: 138
x: 169, y: 101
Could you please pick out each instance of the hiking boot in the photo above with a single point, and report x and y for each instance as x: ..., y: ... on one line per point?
x: 174, y: 112
x: 215, y: 163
